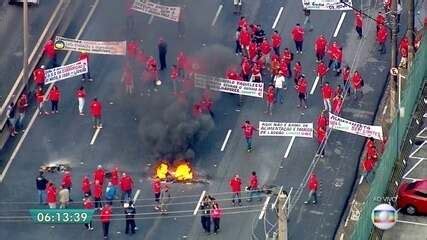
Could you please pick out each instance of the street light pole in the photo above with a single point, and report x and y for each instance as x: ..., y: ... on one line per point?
x: 410, y: 32
x: 25, y: 39
x: 393, y: 79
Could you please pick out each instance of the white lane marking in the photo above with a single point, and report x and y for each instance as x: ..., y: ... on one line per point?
x: 314, y: 85
x: 416, y: 150
x: 413, y: 179
x: 412, y: 169
x: 279, y: 14
x: 95, y: 135
x: 361, y: 180
x: 135, y: 197
x: 226, y: 140
x: 199, y: 202
x: 288, y: 150
x: 216, y: 15
x: 150, y: 20
x: 33, y: 118
x: 261, y: 214
x: 414, y: 223
x: 337, y: 30
x: 385, y: 110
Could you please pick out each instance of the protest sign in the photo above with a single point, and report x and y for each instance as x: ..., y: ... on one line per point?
x: 154, y: 9
x: 251, y: 89
x: 360, y: 129
x: 63, y: 72
x: 97, y: 47
x: 282, y: 129
x: 327, y: 5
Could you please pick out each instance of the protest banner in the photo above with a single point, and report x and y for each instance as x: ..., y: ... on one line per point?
x: 327, y: 5
x: 96, y: 47
x: 360, y: 129
x: 63, y: 72
x: 282, y: 129
x: 154, y: 9
x: 251, y: 89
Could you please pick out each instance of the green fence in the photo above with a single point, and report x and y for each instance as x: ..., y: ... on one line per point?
x: 410, y: 97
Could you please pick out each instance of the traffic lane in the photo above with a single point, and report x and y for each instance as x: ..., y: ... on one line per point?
x: 407, y: 227
x: 11, y: 39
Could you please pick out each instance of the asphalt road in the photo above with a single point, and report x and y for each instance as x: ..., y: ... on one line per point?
x: 65, y: 137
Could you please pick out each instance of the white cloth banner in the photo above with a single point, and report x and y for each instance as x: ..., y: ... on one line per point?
x: 97, y: 47
x: 282, y: 129
x: 63, y: 72
x: 251, y: 89
x: 327, y: 4
x: 161, y: 11
x: 360, y: 129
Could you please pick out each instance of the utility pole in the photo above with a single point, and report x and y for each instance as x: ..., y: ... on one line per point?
x: 25, y: 38
x: 393, y: 79
x: 410, y: 33
x: 283, y: 216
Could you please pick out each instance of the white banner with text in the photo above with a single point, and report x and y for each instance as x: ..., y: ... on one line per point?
x: 282, y: 129
x: 154, y: 9
x: 251, y: 89
x: 96, y: 47
x: 63, y: 72
x: 327, y: 5
x: 360, y: 129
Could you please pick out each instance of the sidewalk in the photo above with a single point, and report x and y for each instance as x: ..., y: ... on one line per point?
x: 11, y: 51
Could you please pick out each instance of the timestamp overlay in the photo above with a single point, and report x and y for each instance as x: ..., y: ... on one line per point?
x: 61, y: 216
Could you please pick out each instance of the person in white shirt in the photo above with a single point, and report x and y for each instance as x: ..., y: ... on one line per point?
x: 280, y: 86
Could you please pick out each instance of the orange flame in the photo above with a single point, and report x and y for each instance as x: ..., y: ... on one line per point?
x: 182, y: 172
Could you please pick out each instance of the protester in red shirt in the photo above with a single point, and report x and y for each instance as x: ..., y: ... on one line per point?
x: 115, y: 177
x: 156, y: 187
x: 99, y: 174
x: 81, y: 95
x: 332, y: 49
x: 126, y: 184
x: 297, y: 71
x: 346, y: 78
x: 51, y: 195
x: 357, y: 83
x: 320, y: 47
x: 246, y: 69
x: 86, y: 186
x: 181, y: 62
x: 265, y: 49
x: 88, y: 204
x: 358, y: 22
x: 105, y: 219
x: 67, y: 182
x: 276, y: 41
x: 40, y: 101
x: 85, y: 55
x: 39, y: 76
x: 132, y: 48
x: 368, y: 165
x: 174, y: 77
x: 322, y: 121
x: 337, y: 56
x: 252, y: 51
x: 312, y: 185
x: 248, y: 131
x: 327, y: 93
x: 270, y: 99
x: 96, y: 111
x: 254, y: 187
x: 380, y: 20
x: 301, y: 88
x: 287, y: 58
x: 245, y: 39
x: 236, y: 187
x: 22, y: 106
x: 54, y: 96
x: 337, y: 102
x: 216, y: 214
x: 321, y: 136
x: 382, y: 35
x: 298, y: 37
x: 50, y: 52
x: 97, y: 194
x: 321, y: 71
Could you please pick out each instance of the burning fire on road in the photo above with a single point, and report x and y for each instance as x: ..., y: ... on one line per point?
x: 179, y: 171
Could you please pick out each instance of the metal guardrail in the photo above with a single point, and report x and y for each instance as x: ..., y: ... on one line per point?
x: 37, y: 53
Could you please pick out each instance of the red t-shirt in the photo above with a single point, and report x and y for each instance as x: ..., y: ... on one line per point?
x: 235, y: 184
x: 248, y: 130
x: 39, y: 75
x: 298, y: 34
x: 276, y: 40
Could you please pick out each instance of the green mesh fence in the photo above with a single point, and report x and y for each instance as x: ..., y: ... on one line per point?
x: 411, y: 95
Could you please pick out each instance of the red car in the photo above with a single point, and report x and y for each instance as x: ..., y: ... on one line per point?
x: 413, y: 197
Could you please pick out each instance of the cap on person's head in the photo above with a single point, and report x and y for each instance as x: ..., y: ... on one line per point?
x: 236, y: 176
x: 42, y: 66
x: 123, y: 174
x: 126, y: 205
x: 99, y: 166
